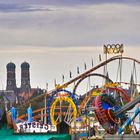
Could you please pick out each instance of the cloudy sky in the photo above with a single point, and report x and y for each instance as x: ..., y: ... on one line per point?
x: 56, y: 36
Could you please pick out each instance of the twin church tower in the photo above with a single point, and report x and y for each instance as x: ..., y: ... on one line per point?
x: 25, y: 78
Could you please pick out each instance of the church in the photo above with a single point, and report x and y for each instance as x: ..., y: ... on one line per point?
x: 14, y: 94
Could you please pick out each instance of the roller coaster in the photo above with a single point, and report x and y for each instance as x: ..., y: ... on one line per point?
x: 109, y: 103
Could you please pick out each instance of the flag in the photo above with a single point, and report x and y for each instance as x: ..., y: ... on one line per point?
x: 78, y: 71
x: 46, y: 85
x: 92, y: 63
x: 54, y: 82
x: 70, y: 74
x: 85, y: 66
x: 100, y: 59
x: 63, y: 78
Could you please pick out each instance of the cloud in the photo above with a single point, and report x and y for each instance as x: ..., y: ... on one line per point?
x: 23, y: 8
x: 68, y: 2
x: 71, y: 26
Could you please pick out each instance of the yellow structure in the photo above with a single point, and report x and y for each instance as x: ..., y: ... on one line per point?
x: 66, y: 99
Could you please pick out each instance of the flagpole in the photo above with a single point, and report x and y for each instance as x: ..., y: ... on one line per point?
x: 92, y: 63
x: 105, y: 52
x: 45, y: 112
x: 106, y: 64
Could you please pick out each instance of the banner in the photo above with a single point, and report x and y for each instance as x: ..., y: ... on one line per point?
x: 63, y: 78
x: 92, y: 63
x: 78, y: 71
x: 100, y: 59
x: 70, y: 74
x: 85, y: 66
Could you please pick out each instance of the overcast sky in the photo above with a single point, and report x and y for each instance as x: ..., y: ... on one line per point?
x: 56, y: 36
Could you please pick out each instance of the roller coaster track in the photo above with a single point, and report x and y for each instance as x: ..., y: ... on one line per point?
x: 89, y: 75
x: 129, y: 120
x: 118, y: 57
x: 98, y: 66
x: 128, y: 106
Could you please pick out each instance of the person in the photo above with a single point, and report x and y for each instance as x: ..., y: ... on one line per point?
x: 93, y: 131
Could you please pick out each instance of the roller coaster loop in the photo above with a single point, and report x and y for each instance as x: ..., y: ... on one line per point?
x: 72, y: 96
x: 89, y: 75
x: 52, y: 108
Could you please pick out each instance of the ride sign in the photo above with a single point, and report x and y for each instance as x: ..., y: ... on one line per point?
x: 113, y: 49
x: 35, y: 127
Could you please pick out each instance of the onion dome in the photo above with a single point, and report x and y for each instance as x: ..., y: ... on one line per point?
x: 11, y: 66
x: 25, y: 65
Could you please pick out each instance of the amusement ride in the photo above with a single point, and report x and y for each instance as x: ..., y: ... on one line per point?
x: 107, y: 105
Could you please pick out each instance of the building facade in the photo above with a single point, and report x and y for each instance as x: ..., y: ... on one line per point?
x: 11, y: 77
x: 25, y: 78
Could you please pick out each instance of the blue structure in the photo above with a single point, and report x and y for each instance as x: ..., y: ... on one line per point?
x: 129, y: 120
x: 13, y: 114
x: 29, y: 112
